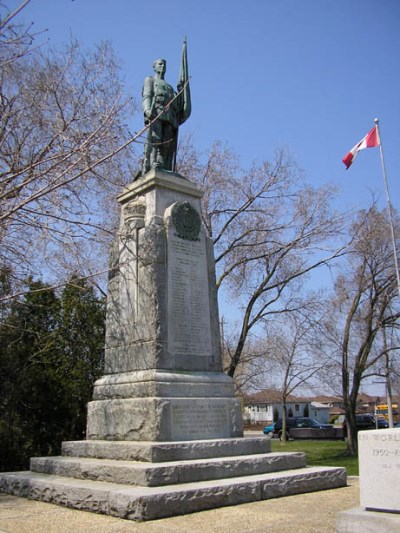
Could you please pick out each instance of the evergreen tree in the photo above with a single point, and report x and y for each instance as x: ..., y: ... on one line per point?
x: 51, y: 352
x: 81, y: 347
x: 28, y: 389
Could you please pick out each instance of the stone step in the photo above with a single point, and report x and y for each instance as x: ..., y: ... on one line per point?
x: 149, y: 503
x: 158, y: 452
x: 174, y: 472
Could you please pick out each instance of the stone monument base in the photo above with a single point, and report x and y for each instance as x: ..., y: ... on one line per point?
x: 164, y: 419
x: 164, y: 406
x: 359, y: 520
x: 150, y: 480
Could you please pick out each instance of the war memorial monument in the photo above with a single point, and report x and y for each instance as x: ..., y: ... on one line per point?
x: 164, y: 429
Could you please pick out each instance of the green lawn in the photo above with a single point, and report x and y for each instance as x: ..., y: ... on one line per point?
x: 320, y: 453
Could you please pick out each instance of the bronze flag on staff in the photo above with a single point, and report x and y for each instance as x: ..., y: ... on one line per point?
x: 186, y: 104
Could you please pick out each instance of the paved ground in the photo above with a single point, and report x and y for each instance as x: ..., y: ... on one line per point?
x: 306, y: 513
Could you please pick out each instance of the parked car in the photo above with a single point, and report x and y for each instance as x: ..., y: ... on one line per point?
x: 367, y: 421
x: 269, y: 430
x: 275, y: 429
x: 382, y: 422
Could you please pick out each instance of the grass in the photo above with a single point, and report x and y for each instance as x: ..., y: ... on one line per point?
x: 321, y: 453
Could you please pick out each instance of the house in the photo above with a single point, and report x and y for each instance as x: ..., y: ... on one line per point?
x: 266, y: 405
x: 334, y: 402
x: 325, y: 408
x: 366, y: 403
x: 320, y: 412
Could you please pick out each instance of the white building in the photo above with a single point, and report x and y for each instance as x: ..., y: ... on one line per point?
x: 265, y: 406
x: 320, y: 412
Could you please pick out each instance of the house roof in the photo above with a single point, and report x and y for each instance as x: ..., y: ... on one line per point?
x: 366, y: 398
x: 319, y: 405
x: 268, y: 396
x: 321, y: 398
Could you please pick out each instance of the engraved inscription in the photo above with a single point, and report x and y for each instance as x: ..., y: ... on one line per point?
x: 189, y: 331
x: 381, y: 437
x: 204, y: 420
x: 385, y: 447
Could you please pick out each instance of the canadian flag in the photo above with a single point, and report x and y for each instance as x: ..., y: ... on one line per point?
x: 369, y: 141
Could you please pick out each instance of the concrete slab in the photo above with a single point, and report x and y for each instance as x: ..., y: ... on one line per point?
x: 158, y: 452
x: 173, y: 472
x: 358, y: 520
x: 149, y: 503
x: 303, y: 513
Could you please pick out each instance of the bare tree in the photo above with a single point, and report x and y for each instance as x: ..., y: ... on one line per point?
x: 254, y: 369
x: 269, y: 231
x: 16, y: 40
x: 364, y: 305
x: 293, y: 355
x: 62, y: 121
x: 394, y: 373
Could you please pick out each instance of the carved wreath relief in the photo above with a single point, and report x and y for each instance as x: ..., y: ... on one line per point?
x: 186, y: 220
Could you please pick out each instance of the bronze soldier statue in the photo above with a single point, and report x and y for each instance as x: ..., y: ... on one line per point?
x: 159, y: 98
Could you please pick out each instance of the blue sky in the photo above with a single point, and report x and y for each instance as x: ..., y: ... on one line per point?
x: 310, y: 75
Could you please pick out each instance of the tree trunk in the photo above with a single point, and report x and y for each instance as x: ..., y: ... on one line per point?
x: 350, y: 404
x: 351, y: 428
x: 284, y: 418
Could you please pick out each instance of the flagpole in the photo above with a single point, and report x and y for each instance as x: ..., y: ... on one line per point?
x: 389, y: 207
